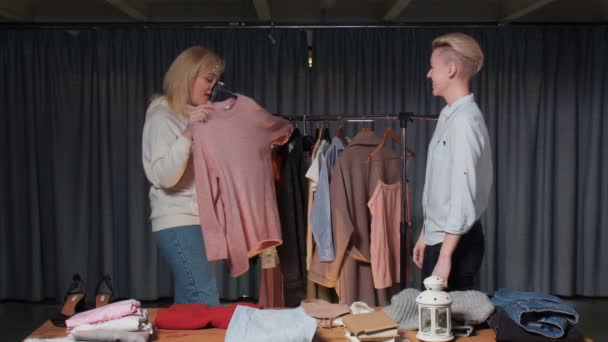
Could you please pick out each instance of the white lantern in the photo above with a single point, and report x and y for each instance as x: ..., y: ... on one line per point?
x: 434, y: 312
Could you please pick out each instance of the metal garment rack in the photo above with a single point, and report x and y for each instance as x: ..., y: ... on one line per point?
x: 403, y: 118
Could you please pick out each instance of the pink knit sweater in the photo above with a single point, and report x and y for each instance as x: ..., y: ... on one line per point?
x: 234, y: 184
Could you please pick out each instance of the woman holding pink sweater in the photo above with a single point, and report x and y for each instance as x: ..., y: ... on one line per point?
x: 167, y: 161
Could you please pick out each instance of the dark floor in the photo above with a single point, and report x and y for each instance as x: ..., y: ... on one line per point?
x: 19, y: 319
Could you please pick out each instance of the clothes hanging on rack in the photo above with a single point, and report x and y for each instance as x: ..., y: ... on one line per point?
x: 313, y: 175
x: 235, y: 189
x: 385, y: 208
x: 314, y: 290
x: 292, y: 195
x: 320, y: 216
x: 360, y: 273
x: 353, y: 184
x: 314, y: 171
x: 271, y: 293
x: 318, y: 291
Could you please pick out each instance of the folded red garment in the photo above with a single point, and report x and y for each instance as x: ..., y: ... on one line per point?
x: 183, y: 316
x: 196, y: 316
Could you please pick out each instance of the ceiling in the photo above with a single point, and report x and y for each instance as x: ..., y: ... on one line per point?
x: 329, y: 12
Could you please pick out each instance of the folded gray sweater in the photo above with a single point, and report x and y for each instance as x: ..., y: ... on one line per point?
x: 470, y: 307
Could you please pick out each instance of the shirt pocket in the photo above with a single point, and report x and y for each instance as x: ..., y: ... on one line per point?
x: 440, y: 150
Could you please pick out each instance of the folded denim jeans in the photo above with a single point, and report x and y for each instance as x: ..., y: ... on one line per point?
x: 537, y: 312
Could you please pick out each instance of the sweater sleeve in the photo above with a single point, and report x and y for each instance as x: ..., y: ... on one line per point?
x: 279, y: 130
x: 168, y: 152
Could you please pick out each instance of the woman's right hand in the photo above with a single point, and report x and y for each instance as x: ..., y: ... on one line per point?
x: 419, y: 250
x: 196, y: 115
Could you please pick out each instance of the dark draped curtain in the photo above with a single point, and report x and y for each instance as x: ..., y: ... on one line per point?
x: 74, y: 196
x: 544, y: 94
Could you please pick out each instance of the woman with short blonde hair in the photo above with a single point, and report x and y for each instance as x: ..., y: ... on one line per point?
x: 458, y: 170
x: 462, y: 49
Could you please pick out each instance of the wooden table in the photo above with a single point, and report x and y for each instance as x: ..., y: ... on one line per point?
x: 48, y: 330
x: 483, y: 335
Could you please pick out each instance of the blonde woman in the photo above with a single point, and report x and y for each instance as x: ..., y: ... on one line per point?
x: 167, y: 161
x: 458, y: 171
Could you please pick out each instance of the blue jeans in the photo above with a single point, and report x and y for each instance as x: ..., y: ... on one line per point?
x: 536, y: 312
x: 184, y: 250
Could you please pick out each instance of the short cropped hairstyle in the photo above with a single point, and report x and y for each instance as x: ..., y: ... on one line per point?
x: 181, y: 74
x: 463, y: 49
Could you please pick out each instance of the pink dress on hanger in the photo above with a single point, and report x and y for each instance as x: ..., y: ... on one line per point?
x: 385, y: 207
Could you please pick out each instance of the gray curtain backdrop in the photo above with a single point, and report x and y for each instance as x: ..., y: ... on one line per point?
x: 74, y: 195
x: 544, y: 94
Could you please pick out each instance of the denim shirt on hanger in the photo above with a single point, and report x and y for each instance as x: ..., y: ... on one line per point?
x: 320, y: 214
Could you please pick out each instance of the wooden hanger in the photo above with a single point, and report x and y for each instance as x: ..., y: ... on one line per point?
x: 320, y: 132
x: 326, y: 135
x: 315, y: 146
x: 390, y: 133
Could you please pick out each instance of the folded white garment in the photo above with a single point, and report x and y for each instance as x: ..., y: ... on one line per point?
x: 127, y: 324
x: 112, y: 336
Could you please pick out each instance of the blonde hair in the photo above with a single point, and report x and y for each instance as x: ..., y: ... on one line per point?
x: 180, y: 75
x: 463, y: 49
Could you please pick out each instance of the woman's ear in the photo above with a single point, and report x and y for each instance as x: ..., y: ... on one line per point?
x: 452, y: 70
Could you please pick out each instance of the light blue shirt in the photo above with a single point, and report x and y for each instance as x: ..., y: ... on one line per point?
x: 458, y: 171
x: 320, y: 214
x: 286, y: 325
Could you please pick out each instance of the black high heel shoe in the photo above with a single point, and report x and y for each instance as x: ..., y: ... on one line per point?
x: 73, y: 302
x: 103, y: 291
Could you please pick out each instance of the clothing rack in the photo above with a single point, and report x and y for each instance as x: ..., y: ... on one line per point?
x: 404, y: 118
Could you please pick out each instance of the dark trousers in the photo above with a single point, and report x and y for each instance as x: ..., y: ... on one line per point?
x: 466, y: 260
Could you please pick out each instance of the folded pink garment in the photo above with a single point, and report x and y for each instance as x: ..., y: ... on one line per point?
x: 318, y: 308
x: 105, y: 313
